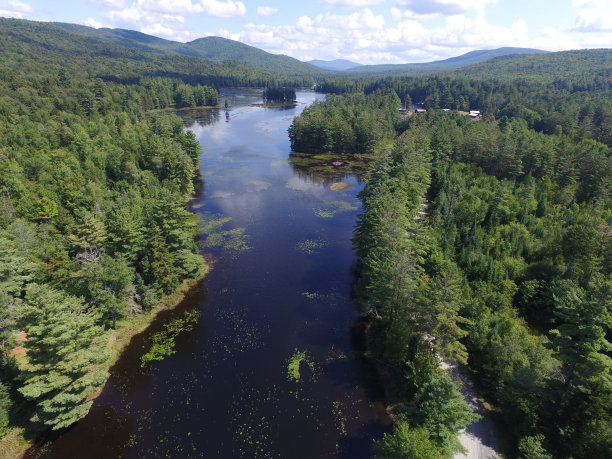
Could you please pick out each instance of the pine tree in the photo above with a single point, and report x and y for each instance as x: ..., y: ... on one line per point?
x: 88, y: 237
x: 15, y: 271
x: 64, y: 348
x: 158, y: 264
x: 580, y: 339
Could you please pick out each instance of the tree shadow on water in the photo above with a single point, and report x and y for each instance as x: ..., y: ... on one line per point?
x: 102, y: 434
x: 360, y: 446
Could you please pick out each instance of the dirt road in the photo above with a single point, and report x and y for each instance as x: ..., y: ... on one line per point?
x: 479, y: 438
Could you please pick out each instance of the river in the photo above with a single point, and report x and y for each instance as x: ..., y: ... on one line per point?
x: 264, y: 363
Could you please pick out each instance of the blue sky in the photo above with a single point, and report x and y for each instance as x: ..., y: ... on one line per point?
x: 364, y: 31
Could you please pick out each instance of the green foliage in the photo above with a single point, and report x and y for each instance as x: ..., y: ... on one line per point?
x: 351, y: 124
x: 12, y: 404
x: 211, y: 227
x: 406, y: 443
x: 295, y: 361
x: 92, y: 200
x: 64, y: 346
x: 279, y: 94
x: 84, y: 52
x: 506, y: 268
x: 584, y: 319
x: 16, y: 270
x: 442, y: 410
x: 531, y: 448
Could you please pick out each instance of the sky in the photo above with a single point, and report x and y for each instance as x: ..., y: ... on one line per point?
x: 363, y: 31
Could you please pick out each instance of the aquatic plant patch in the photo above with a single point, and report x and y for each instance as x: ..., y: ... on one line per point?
x: 333, y: 208
x: 293, y: 365
x: 163, y: 342
x: 214, y: 235
x: 311, y: 246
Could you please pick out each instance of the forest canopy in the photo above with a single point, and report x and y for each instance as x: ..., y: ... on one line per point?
x: 483, y: 242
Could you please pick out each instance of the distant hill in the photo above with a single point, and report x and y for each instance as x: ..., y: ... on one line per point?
x: 216, y: 49
x: 473, y: 57
x: 220, y: 49
x: 336, y: 64
x: 122, y: 55
x: 544, y: 68
x: 127, y: 55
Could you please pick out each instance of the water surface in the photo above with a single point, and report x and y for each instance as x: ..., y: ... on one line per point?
x: 264, y: 365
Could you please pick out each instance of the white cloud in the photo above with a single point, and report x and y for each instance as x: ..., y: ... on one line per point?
x: 591, y: 3
x: 166, y: 18
x: 170, y: 32
x: 15, y: 9
x: 115, y: 4
x: 266, y: 11
x: 91, y: 22
x: 20, y: 6
x: 593, y: 16
x: 216, y: 8
x: 353, y: 3
x: 553, y: 40
x: 126, y: 16
x: 363, y: 37
x: 443, y: 7
x: 168, y: 6
x: 224, y: 9
x: 365, y: 19
x: 403, y: 15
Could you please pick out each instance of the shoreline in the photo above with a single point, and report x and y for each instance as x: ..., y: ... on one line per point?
x: 180, y: 109
x: 134, y: 325
x: 14, y: 445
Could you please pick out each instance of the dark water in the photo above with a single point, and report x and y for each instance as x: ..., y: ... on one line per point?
x: 229, y: 389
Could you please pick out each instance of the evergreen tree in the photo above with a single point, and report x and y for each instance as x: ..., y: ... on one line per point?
x: 585, y: 318
x: 88, y: 237
x: 406, y: 443
x: 442, y: 410
x: 158, y: 264
x: 15, y: 272
x: 64, y: 347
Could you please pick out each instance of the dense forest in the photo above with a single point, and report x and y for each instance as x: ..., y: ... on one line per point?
x: 487, y: 243
x: 34, y: 47
x: 351, y: 124
x: 279, y: 94
x: 568, y: 91
x: 93, y: 226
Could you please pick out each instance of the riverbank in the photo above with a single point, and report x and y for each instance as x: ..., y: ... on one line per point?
x: 133, y: 325
x: 14, y: 444
x: 174, y: 108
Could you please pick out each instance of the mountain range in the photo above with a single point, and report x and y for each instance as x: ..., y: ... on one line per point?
x: 127, y: 55
x: 336, y: 64
x: 219, y: 49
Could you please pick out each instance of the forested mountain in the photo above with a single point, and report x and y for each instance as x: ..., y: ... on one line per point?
x: 28, y: 46
x: 563, y: 67
x: 473, y: 57
x: 336, y: 64
x: 215, y: 49
x: 218, y: 49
